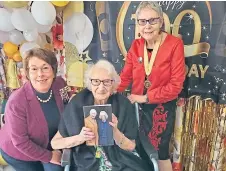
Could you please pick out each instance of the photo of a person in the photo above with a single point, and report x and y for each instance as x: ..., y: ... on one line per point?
x: 90, y: 122
x: 2, y: 120
x: 104, y: 130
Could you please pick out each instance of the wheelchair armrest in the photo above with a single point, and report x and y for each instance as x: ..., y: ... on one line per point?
x: 148, y: 147
x: 66, y: 157
x: 150, y: 151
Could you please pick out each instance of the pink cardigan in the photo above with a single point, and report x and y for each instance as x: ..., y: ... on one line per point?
x: 25, y: 133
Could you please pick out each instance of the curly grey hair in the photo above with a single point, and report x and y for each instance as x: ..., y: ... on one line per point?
x: 103, y: 64
x: 103, y: 114
x: 150, y: 5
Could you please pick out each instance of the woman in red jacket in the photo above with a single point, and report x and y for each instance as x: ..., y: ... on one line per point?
x: 155, y: 65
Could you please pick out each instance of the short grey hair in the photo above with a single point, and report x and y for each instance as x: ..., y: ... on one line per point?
x: 103, y: 64
x: 150, y: 5
x: 103, y: 113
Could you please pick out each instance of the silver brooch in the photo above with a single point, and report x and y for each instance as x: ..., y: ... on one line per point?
x: 140, y: 59
x: 64, y: 94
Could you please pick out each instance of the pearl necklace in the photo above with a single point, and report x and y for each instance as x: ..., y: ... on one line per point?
x: 45, y: 101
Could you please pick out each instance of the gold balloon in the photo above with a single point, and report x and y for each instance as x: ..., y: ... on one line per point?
x: 48, y: 46
x: 75, y: 74
x: 15, y: 4
x: 17, y: 57
x: 9, y: 55
x: 72, y: 7
x: 10, y: 48
x: 2, y: 161
x: 60, y: 3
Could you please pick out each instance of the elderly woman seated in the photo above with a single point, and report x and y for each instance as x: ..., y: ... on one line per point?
x: 101, y: 82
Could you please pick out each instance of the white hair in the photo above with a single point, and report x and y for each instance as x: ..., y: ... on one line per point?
x: 92, y: 111
x: 150, y: 5
x: 103, y: 113
x: 103, y: 64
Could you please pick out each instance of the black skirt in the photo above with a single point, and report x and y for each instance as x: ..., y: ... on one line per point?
x: 157, y: 122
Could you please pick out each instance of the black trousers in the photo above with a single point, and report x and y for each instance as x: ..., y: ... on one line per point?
x: 20, y: 165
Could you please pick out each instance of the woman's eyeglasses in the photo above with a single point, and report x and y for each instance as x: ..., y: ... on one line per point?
x: 151, y: 21
x: 34, y: 70
x: 96, y: 82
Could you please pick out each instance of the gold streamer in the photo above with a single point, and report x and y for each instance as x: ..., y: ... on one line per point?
x: 11, y: 75
x: 204, y: 131
x: 178, y: 132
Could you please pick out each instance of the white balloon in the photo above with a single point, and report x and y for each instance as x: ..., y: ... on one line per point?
x: 5, y: 20
x: 41, y: 41
x: 43, y: 12
x: 16, y: 37
x: 4, y: 37
x: 43, y: 28
x: 31, y: 35
x: 23, y: 20
x: 75, y: 23
x: 19, y: 64
x: 80, y: 34
x: 26, y: 47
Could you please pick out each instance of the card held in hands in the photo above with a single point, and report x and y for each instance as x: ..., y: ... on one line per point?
x: 97, y: 118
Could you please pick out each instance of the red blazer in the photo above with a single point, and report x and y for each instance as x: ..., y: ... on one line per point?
x: 167, y: 75
x: 25, y: 134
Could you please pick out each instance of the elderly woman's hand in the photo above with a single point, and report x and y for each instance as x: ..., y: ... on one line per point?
x: 114, y: 122
x: 86, y: 134
x: 56, y: 157
x: 137, y: 98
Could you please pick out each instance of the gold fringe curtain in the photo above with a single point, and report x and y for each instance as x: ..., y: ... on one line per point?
x: 199, y: 141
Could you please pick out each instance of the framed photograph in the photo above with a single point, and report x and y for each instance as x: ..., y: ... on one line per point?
x: 97, y: 118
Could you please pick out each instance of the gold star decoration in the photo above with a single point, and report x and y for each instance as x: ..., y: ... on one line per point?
x: 84, y: 57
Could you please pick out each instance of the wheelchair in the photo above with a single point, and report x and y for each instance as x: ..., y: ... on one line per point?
x: 148, y: 148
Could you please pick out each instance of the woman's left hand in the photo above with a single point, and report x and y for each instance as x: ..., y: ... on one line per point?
x: 137, y: 98
x: 114, y: 122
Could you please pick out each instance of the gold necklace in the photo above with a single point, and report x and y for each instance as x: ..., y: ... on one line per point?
x: 148, y: 65
x: 45, y: 101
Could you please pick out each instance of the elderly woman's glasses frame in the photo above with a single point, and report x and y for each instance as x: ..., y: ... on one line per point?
x: 107, y: 82
x: 151, y: 21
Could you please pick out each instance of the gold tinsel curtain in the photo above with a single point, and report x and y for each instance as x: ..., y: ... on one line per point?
x: 199, y: 142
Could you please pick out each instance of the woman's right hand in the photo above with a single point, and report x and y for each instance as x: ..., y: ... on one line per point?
x: 86, y: 134
x: 56, y: 157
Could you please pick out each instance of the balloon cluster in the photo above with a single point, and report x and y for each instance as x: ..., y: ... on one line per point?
x: 24, y: 24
